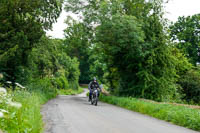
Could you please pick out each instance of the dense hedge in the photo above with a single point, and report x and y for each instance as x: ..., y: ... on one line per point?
x: 190, y: 83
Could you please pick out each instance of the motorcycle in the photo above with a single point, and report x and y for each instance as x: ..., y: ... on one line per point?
x: 94, y: 97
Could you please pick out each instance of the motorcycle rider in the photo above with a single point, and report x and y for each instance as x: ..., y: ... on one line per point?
x: 93, y: 84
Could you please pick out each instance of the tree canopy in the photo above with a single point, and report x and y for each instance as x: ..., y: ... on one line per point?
x: 22, y: 25
x: 137, y: 58
x: 186, y: 33
x: 77, y: 43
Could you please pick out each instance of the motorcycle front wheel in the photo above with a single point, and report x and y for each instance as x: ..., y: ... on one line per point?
x: 96, y: 100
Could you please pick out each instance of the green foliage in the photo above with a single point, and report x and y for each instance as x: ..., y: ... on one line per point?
x: 70, y: 91
x: 144, y: 68
x: 178, y: 115
x: 22, y: 25
x: 98, y: 66
x: 49, y: 60
x: 182, y: 63
x: 77, y: 45
x: 190, y: 83
x: 129, y: 47
x: 186, y: 32
x: 27, y: 118
x: 44, y: 85
x: 61, y: 83
x: 135, y: 53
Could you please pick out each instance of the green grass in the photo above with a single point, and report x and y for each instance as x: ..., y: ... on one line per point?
x: 26, y: 119
x: 70, y: 91
x: 179, y: 115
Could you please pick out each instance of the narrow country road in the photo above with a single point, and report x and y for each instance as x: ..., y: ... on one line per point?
x: 73, y: 114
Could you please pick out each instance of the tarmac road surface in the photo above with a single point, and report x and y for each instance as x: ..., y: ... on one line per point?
x: 74, y: 114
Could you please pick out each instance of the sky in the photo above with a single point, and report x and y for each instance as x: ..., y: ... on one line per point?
x: 174, y: 9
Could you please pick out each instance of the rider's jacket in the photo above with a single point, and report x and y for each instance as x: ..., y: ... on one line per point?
x: 93, y: 85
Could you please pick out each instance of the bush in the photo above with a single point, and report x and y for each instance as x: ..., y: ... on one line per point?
x: 61, y: 82
x: 190, y: 83
x: 44, y: 85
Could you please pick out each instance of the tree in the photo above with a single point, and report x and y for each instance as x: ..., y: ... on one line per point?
x: 186, y: 33
x: 22, y: 25
x: 78, y: 45
x: 50, y: 60
x: 131, y: 39
x: 144, y: 69
x: 98, y: 66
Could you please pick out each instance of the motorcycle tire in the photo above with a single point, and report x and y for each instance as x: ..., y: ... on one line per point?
x: 96, y: 101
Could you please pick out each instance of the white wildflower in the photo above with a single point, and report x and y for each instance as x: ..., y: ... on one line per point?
x: 4, y: 111
x: 9, y: 100
x: 1, y: 114
x: 2, y: 90
x: 15, y: 104
x: 19, y: 85
x: 9, y: 82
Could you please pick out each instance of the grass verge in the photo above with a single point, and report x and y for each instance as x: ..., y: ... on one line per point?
x: 27, y: 118
x: 70, y: 91
x: 179, y: 115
